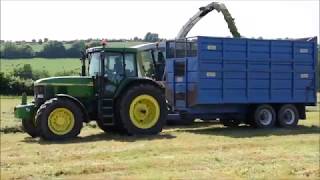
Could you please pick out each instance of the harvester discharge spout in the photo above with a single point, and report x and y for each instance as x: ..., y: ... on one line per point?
x: 203, y: 11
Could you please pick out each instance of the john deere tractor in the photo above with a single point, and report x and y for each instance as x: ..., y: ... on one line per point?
x: 118, y: 88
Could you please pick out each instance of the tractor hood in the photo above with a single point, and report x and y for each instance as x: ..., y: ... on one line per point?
x: 65, y: 81
x: 76, y: 86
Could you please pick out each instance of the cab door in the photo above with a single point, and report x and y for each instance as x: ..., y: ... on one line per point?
x: 116, y: 67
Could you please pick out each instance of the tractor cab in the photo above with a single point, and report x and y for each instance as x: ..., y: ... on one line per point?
x: 113, y: 63
x: 147, y: 60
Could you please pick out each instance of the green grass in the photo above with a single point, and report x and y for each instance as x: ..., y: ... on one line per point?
x: 51, y: 65
x: 199, y: 151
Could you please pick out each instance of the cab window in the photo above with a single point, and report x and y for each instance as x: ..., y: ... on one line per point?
x: 94, y: 64
x: 113, y: 63
x: 130, y: 65
x: 147, y: 63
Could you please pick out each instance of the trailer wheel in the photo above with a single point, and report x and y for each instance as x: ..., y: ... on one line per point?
x: 30, y: 128
x: 143, y: 110
x: 59, y: 119
x: 288, y: 116
x: 264, y: 117
x: 230, y: 122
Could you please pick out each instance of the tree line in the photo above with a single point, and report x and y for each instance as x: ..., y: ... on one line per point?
x: 56, y: 49
x: 51, y: 49
x: 21, y: 79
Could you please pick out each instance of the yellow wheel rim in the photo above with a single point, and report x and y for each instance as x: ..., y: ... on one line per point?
x: 61, y: 121
x: 144, y: 111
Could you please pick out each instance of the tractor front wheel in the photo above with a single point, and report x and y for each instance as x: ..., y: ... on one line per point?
x: 29, y: 127
x: 59, y: 119
x: 143, y: 110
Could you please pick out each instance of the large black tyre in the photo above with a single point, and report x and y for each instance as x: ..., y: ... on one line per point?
x: 288, y: 116
x: 230, y: 122
x: 146, y: 102
x: 264, y: 116
x: 47, y: 119
x: 105, y: 128
x: 109, y: 128
x: 29, y: 127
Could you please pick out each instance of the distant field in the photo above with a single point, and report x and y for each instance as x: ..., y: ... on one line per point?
x: 51, y: 65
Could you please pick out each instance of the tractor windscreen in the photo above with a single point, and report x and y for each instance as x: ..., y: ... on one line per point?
x: 115, y: 64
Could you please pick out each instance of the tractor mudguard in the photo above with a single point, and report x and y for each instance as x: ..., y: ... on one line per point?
x: 136, y: 80
x: 76, y: 101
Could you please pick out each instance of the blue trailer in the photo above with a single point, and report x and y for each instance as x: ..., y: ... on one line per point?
x: 239, y: 80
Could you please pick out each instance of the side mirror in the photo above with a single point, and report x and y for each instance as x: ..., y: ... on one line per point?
x: 83, y: 55
x: 83, y: 67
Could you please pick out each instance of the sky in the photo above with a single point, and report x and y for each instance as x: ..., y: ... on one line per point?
x: 69, y: 20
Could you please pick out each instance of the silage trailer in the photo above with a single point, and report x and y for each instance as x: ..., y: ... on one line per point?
x: 237, y: 80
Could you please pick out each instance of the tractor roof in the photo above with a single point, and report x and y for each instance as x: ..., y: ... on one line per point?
x: 113, y: 49
x: 136, y: 48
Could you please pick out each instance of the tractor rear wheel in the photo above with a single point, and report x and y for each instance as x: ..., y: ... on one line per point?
x: 143, y: 110
x: 59, y: 119
x: 29, y: 127
x: 108, y: 128
x: 105, y: 128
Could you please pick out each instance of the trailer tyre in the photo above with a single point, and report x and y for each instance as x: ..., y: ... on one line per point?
x: 59, y: 119
x: 288, y: 116
x: 264, y: 117
x: 143, y: 110
x: 29, y: 127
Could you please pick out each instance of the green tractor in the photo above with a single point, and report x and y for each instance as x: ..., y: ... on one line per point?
x: 119, y: 88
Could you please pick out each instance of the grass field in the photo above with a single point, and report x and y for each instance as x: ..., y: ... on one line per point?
x: 51, y: 65
x: 200, y: 151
